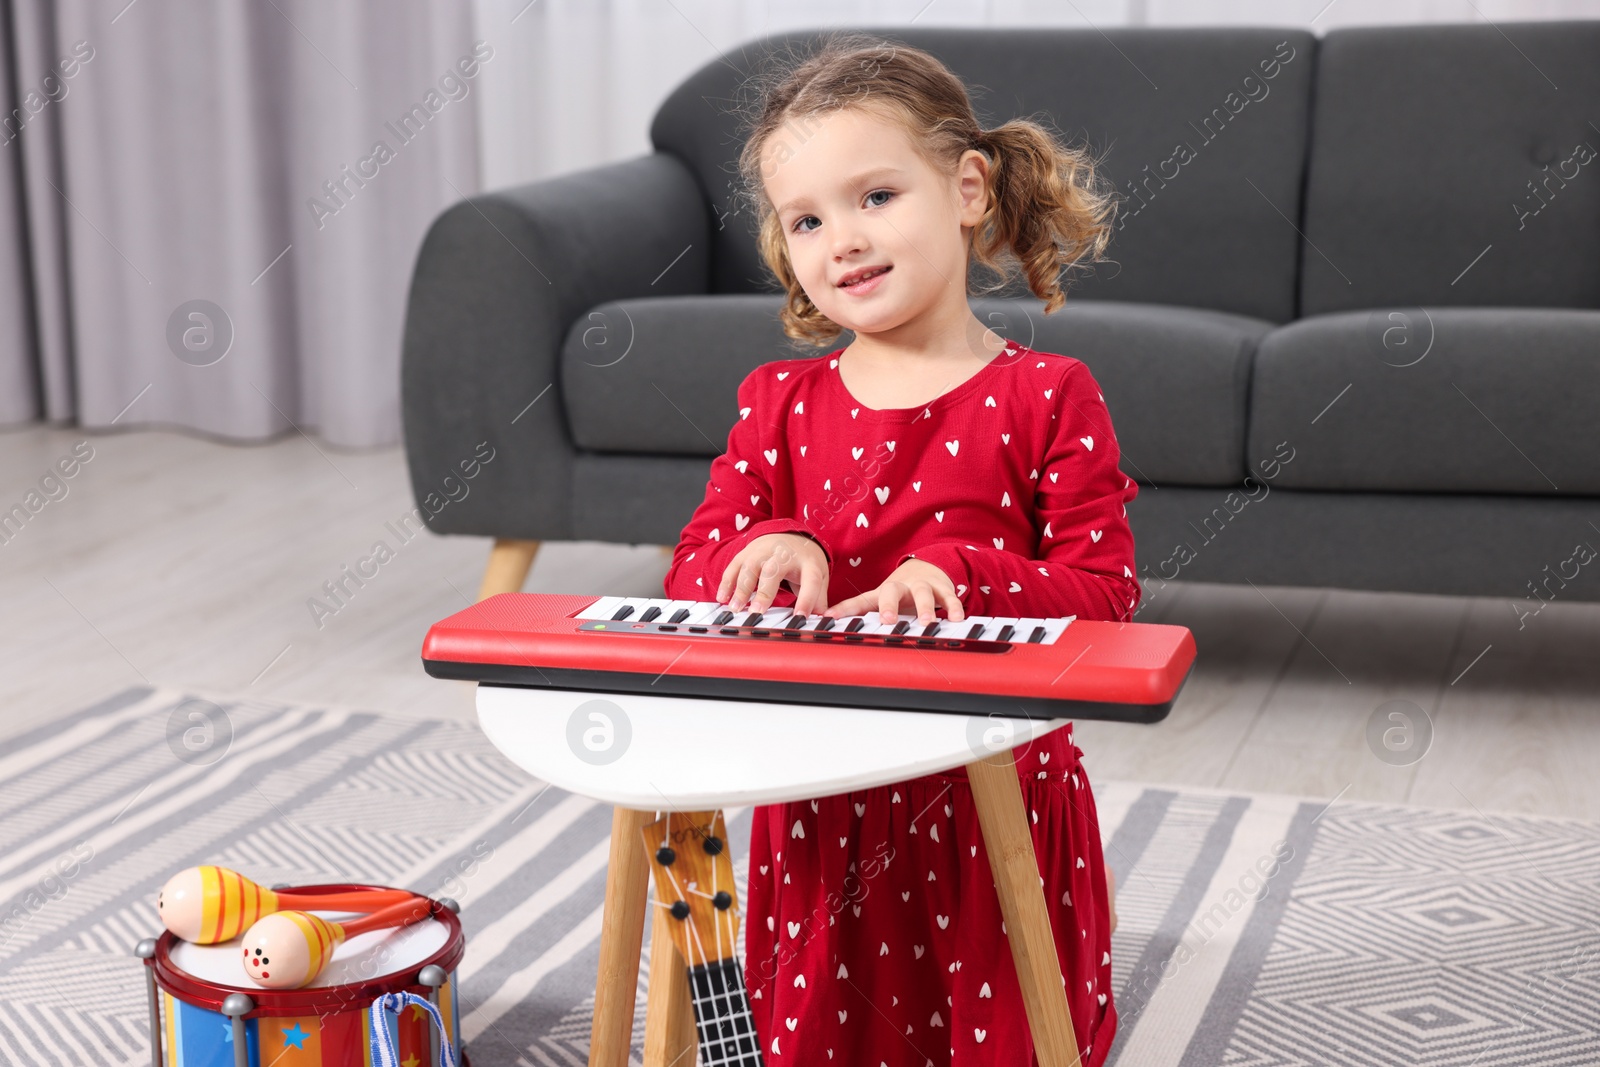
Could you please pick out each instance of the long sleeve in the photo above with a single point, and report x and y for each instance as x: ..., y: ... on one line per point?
x: 738, y: 505
x: 1082, y: 562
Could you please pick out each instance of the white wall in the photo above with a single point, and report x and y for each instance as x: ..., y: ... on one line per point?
x: 575, y: 83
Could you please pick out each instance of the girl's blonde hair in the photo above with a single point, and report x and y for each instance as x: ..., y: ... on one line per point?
x: 1049, y: 206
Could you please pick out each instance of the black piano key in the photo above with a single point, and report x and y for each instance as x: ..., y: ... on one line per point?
x: 901, y: 627
x: 650, y: 613
x: 931, y: 629
x: 1037, y: 635
x: 622, y: 613
x: 855, y: 624
x: 722, y: 618
x: 753, y: 618
x: 827, y: 623
x: 972, y: 634
x: 679, y: 615
x: 1005, y: 632
x: 795, y: 622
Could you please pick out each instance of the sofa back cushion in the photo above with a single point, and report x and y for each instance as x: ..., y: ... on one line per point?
x: 1454, y: 165
x: 1203, y: 130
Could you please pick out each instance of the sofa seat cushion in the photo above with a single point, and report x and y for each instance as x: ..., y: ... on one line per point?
x: 1477, y: 400
x: 660, y: 376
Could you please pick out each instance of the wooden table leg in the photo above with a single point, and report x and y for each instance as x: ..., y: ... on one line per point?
x: 509, y: 563
x: 997, y: 795
x: 669, y: 1029
x: 621, y: 940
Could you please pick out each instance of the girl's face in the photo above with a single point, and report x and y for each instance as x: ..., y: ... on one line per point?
x: 854, y: 197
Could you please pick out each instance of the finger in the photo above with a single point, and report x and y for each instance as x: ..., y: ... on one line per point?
x: 952, y: 607
x: 922, y: 596
x: 889, y: 596
x: 725, y: 587
x: 748, y: 574
x: 767, y: 587
x: 813, y: 594
x: 855, y: 605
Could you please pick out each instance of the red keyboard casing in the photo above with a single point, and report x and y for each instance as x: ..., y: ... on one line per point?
x: 1105, y: 670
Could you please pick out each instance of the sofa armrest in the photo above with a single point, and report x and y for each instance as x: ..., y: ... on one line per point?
x: 499, y: 281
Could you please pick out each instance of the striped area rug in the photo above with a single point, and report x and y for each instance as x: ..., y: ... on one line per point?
x: 1255, y: 930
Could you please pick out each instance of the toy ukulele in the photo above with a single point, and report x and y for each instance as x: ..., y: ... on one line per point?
x: 688, y: 854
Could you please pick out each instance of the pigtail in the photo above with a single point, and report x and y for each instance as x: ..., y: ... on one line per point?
x: 1050, y: 208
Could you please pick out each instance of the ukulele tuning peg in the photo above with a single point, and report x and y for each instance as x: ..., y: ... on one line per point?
x: 723, y: 900
x: 713, y: 845
x: 680, y: 909
x: 665, y: 856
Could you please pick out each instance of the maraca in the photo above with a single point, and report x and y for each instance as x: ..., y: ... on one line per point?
x: 288, y: 949
x: 210, y: 904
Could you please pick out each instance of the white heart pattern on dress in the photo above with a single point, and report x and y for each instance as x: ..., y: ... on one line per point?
x: 882, y: 492
x: 782, y: 375
x: 1015, y: 588
x: 999, y: 542
x: 989, y: 403
x: 1095, y: 535
x: 791, y: 1023
x: 740, y: 521
x: 861, y: 518
x: 855, y: 453
x: 772, y: 456
x: 1005, y: 439
x: 944, y: 921
x: 917, y: 486
x: 855, y: 561
x: 980, y: 1034
x: 1088, y: 442
x: 800, y: 408
x: 952, y: 446
x: 939, y: 515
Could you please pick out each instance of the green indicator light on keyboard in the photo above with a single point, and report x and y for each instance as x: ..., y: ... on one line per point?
x: 601, y: 626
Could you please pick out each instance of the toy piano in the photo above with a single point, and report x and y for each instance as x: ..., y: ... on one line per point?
x: 1022, y: 667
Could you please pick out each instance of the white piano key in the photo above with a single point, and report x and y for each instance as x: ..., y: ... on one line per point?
x: 603, y: 608
x: 1025, y: 628
x: 1054, y: 628
x: 702, y: 612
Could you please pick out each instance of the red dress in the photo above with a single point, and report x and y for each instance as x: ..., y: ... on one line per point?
x: 873, y: 933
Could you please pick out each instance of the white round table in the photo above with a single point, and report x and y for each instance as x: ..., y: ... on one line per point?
x: 667, y: 753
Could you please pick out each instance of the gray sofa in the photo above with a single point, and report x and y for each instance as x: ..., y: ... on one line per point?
x: 1350, y: 337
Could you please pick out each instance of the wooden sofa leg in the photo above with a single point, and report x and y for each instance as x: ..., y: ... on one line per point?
x: 509, y: 564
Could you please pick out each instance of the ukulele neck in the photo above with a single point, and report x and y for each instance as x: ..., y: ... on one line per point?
x: 727, y: 1033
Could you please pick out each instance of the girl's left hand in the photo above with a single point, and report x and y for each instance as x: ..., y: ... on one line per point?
x: 915, y: 586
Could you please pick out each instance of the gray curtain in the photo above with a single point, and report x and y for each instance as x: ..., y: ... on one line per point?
x: 210, y: 209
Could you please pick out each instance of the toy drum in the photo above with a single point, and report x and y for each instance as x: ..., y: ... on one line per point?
x: 202, y: 1002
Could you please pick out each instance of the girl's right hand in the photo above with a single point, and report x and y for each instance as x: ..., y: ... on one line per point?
x: 752, y: 577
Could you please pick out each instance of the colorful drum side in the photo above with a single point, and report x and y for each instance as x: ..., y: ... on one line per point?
x: 200, y: 1037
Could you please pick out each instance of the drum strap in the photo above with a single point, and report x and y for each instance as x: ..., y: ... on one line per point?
x: 381, y: 1041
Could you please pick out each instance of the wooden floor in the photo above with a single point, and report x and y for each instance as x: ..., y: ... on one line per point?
x: 181, y: 562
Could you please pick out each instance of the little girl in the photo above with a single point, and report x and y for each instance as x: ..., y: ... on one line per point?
x: 930, y: 465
